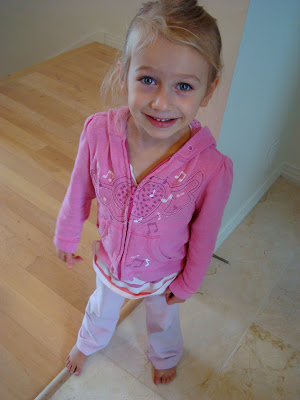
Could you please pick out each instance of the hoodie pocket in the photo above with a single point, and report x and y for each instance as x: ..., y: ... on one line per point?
x: 155, y: 249
x: 103, y: 228
x: 111, y: 238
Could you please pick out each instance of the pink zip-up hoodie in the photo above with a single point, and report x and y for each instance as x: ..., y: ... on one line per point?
x: 168, y: 223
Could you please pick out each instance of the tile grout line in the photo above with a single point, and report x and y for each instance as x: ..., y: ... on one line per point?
x: 258, y: 311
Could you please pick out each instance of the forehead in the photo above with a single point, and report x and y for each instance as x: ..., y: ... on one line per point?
x: 169, y: 58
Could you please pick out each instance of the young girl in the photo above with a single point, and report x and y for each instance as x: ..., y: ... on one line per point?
x: 161, y: 185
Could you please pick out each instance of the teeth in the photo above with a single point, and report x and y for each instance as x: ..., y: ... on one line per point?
x: 162, y: 120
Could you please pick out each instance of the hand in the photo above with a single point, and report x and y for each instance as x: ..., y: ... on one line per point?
x: 171, y: 298
x: 68, y: 258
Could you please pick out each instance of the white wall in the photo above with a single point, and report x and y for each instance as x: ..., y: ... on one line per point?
x: 32, y: 31
x: 292, y: 148
x: 293, y: 152
x: 263, y: 104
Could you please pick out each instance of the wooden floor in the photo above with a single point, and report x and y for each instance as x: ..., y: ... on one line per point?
x: 42, y: 111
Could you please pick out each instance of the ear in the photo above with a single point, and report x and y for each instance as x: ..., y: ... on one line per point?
x: 210, y: 92
x: 121, y: 77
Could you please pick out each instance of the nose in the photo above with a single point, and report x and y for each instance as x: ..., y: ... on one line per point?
x: 162, y: 100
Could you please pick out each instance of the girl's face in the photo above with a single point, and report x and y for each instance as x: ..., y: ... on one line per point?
x: 166, y: 85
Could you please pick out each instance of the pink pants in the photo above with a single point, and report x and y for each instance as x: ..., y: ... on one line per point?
x: 165, y: 343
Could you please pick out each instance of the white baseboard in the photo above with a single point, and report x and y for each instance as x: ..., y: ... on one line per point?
x: 242, y: 213
x: 114, y: 41
x: 291, y: 173
x: 95, y: 37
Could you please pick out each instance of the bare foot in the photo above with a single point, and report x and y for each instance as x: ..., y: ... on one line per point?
x: 75, y: 361
x: 164, y: 376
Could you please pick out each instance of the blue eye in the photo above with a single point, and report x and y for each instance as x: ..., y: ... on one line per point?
x: 147, y: 80
x: 184, y: 86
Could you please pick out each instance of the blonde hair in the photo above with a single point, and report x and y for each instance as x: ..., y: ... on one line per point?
x: 180, y: 21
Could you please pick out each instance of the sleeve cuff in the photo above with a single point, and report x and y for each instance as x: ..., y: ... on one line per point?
x: 67, y: 247
x: 179, y: 288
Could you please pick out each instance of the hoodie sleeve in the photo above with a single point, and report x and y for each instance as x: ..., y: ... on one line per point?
x: 76, y: 206
x: 204, y: 230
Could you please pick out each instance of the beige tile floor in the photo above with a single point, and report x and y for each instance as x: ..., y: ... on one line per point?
x: 241, y: 331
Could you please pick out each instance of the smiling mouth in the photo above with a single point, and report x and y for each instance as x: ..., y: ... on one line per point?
x: 162, y: 119
x: 161, y: 122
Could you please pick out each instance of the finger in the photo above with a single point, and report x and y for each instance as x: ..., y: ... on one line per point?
x: 76, y: 258
x: 167, y: 296
x: 69, y: 260
x: 170, y: 301
x: 61, y: 254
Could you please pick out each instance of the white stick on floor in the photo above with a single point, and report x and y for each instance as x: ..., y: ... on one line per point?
x: 64, y: 375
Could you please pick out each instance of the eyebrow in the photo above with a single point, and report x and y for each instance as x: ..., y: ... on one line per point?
x: 182, y: 76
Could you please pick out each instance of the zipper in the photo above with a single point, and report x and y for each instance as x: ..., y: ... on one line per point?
x: 130, y: 205
x: 133, y: 190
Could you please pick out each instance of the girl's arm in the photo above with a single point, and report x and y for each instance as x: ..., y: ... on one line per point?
x: 205, y: 226
x: 76, y: 206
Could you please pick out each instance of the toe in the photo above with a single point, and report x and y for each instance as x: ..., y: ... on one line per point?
x: 164, y: 376
x: 69, y: 367
x: 77, y: 372
x: 73, y: 369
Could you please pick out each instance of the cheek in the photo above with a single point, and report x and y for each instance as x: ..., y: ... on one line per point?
x: 190, y: 106
x: 137, y: 97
